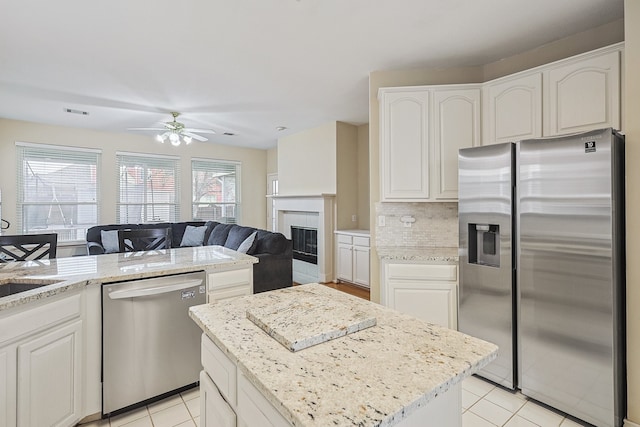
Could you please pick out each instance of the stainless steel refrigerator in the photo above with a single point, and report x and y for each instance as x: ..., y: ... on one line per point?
x: 542, y: 268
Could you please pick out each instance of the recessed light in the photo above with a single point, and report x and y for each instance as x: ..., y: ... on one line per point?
x: 229, y: 134
x: 280, y: 128
x: 72, y: 111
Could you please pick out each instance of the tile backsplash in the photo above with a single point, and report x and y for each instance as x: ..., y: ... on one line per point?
x: 435, y: 225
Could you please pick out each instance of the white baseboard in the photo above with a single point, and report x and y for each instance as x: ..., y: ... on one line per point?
x: 628, y: 423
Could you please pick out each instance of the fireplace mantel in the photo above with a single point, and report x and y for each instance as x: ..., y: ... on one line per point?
x: 322, y: 205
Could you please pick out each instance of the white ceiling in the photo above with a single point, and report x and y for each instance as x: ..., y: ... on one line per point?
x: 248, y: 66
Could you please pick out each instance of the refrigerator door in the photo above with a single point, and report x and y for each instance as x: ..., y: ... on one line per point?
x: 486, y: 303
x: 570, y: 295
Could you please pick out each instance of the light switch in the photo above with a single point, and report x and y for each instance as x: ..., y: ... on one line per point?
x: 381, y: 221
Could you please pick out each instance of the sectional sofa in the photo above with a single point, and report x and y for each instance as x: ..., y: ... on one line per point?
x: 273, y: 271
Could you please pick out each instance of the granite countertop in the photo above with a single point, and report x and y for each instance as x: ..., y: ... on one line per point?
x: 64, y: 274
x: 353, y: 232
x: 417, y: 253
x: 373, y: 377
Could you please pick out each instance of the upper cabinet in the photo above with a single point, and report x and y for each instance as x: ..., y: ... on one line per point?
x: 512, y: 109
x: 404, y: 132
x: 423, y: 127
x: 582, y: 94
x: 456, y: 125
x: 421, y: 130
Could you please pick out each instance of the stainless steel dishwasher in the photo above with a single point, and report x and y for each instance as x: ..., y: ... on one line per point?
x: 150, y: 346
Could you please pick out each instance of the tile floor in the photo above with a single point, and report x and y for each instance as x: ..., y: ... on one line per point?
x: 486, y: 405
x: 181, y: 410
x: 483, y: 405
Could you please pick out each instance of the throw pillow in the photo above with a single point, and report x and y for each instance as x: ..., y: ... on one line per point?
x: 247, y: 243
x: 237, y: 235
x: 219, y: 234
x: 110, y: 241
x: 193, y: 236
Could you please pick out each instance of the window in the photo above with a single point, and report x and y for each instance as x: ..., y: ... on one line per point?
x: 58, y: 190
x: 148, y: 189
x: 216, y: 190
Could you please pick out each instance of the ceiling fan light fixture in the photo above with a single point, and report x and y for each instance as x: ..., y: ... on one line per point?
x: 160, y: 138
x: 174, y: 139
x: 187, y: 139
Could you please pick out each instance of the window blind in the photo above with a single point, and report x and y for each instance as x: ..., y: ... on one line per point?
x: 215, y: 190
x: 58, y: 190
x: 148, y: 188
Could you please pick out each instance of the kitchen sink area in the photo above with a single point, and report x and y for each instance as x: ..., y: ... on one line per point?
x: 16, y: 286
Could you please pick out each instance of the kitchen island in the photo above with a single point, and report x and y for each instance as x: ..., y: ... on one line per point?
x: 51, y: 324
x: 399, y: 371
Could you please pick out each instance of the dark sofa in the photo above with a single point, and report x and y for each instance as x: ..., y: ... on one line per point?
x: 273, y: 250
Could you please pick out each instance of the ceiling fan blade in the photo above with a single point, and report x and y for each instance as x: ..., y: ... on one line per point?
x: 170, y: 126
x: 195, y: 136
x: 200, y: 130
x: 156, y: 129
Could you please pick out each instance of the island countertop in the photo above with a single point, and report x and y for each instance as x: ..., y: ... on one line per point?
x: 64, y: 274
x: 374, y: 377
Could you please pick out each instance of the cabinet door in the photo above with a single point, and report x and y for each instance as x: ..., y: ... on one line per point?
x: 8, y: 377
x: 254, y: 410
x: 361, y: 265
x: 432, y: 302
x: 214, y: 411
x: 456, y: 125
x: 512, y: 109
x: 404, y: 151
x: 49, y: 378
x: 345, y: 262
x: 583, y: 95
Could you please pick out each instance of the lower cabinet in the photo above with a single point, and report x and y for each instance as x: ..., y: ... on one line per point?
x: 352, y: 255
x: 424, y: 290
x: 41, y: 368
x: 225, y: 284
x: 227, y: 398
x: 49, y: 377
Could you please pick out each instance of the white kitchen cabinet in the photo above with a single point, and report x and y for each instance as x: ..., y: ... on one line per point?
x: 227, y: 398
x: 229, y: 283
x: 49, y: 377
x: 41, y: 363
x: 512, y: 108
x: 428, y: 291
x: 421, y: 130
x: 456, y: 125
x: 404, y: 150
x: 582, y: 93
x: 214, y: 410
x: 352, y: 254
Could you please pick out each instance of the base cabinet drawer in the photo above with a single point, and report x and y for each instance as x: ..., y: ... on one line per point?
x: 214, y: 410
x: 254, y: 409
x: 428, y: 291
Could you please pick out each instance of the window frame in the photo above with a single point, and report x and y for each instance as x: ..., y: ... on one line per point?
x: 74, y: 157
x: 198, y: 164
x: 148, y: 161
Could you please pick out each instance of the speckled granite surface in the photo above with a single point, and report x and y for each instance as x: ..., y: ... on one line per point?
x: 374, y: 377
x: 63, y: 274
x: 417, y: 253
x: 299, y: 324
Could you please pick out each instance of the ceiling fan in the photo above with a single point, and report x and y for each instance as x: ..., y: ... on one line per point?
x: 176, y: 132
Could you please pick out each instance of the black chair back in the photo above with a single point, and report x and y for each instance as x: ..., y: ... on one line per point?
x: 144, y: 239
x: 23, y: 247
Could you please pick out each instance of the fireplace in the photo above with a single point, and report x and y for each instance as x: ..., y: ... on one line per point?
x: 309, y: 222
x: 305, y: 244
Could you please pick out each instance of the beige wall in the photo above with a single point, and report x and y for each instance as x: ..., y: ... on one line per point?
x: 632, y: 148
x: 307, y: 162
x: 272, y: 160
x: 347, y: 176
x: 363, y: 177
x: 253, y: 180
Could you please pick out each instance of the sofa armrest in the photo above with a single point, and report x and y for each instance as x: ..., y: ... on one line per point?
x: 272, y: 272
x: 94, y: 248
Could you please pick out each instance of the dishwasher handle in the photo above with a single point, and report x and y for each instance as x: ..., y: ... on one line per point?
x: 154, y: 290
